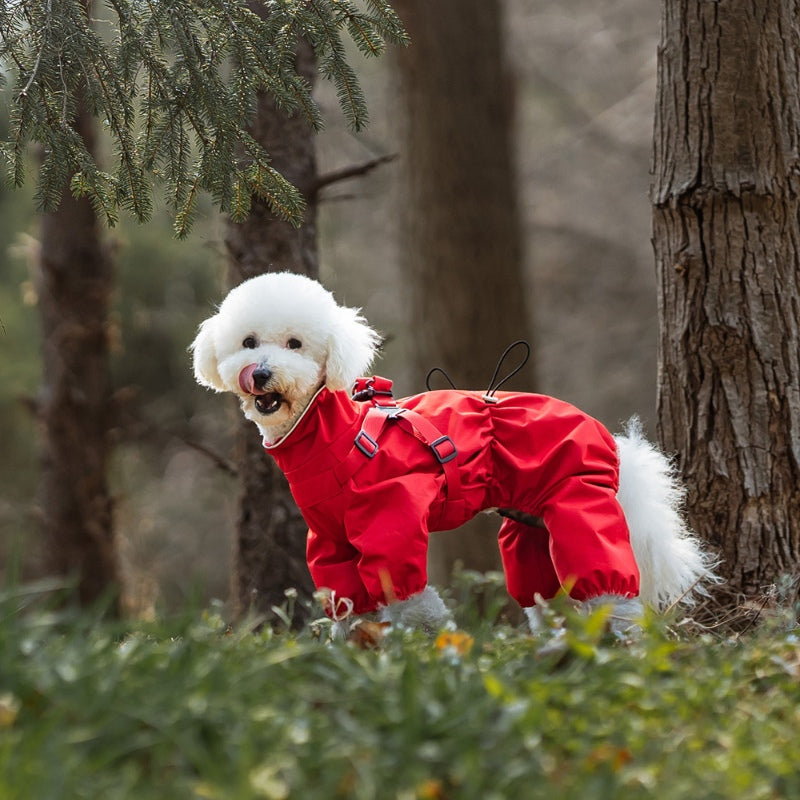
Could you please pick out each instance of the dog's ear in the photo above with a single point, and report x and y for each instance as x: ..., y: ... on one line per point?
x: 204, y: 355
x: 351, y: 348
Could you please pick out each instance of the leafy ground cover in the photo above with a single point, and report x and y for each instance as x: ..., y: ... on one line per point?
x: 194, y: 709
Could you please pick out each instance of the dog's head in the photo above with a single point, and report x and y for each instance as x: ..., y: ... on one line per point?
x: 275, y: 340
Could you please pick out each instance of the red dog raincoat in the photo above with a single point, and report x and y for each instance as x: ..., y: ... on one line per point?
x: 373, y: 478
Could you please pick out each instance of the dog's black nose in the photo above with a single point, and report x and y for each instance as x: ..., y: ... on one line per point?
x: 261, y: 377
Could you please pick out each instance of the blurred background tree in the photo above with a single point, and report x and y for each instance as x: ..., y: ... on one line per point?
x: 74, y: 405
x: 463, y: 255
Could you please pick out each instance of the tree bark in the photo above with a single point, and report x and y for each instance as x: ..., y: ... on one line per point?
x: 726, y: 200
x: 462, y: 242
x: 271, y: 534
x: 76, y: 281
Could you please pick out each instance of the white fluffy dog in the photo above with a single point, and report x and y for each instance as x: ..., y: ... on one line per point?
x: 282, y: 344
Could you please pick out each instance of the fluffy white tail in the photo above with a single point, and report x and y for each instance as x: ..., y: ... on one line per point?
x: 672, y: 563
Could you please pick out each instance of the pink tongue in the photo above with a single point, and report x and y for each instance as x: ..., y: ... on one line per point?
x: 246, y: 380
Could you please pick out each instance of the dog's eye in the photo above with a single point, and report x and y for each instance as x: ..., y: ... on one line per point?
x: 250, y: 342
x: 294, y: 344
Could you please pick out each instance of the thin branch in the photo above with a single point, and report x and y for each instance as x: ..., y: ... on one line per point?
x: 226, y: 465
x: 345, y: 174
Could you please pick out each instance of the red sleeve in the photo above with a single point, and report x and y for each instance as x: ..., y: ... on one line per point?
x: 589, y: 537
x: 387, y: 524
x: 333, y: 564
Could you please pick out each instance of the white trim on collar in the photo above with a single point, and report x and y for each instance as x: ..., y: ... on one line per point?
x: 277, y: 443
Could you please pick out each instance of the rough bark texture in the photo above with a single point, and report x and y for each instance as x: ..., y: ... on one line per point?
x: 726, y: 197
x: 462, y: 243
x: 76, y: 282
x: 271, y: 535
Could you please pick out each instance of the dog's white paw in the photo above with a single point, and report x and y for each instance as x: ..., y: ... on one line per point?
x: 425, y: 610
x: 624, y: 619
x: 340, y: 629
x: 538, y: 621
x: 626, y: 613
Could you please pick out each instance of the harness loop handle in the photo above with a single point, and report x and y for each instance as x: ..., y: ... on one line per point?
x: 493, y: 387
x: 432, y: 372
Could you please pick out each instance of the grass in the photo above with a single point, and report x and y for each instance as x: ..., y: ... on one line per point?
x: 190, y: 708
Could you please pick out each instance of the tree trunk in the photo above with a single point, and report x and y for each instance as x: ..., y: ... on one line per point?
x: 726, y: 200
x: 271, y: 536
x: 76, y: 282
x: 462, y: 242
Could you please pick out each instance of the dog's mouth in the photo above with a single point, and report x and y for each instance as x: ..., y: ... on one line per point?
x: 268, y: 403
x: 253, y: 380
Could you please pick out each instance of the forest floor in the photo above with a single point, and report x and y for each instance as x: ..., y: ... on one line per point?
x: 192, y: 708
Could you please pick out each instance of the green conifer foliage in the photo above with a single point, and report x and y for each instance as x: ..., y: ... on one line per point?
x: 174, y: 84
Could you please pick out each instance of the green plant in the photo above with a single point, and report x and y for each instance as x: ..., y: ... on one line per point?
x: 192, y: 708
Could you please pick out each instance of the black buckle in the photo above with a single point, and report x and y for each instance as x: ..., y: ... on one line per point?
x: 368, y: 392
x: 443, y: 459
x: 368, y: 449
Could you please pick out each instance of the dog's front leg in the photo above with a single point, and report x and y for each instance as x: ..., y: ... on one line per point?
x: 425, y: 610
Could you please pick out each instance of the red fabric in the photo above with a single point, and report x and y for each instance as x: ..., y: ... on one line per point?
x: 368, y: 536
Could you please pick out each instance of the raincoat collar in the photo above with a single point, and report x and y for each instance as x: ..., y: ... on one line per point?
x: 321, y: 436
x: 278, y: 442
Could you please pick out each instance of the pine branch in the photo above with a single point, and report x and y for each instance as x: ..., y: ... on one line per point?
x: 176, y: 89
x: 335, y: 67
x: 185, y: 216
x: 35, y: 71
